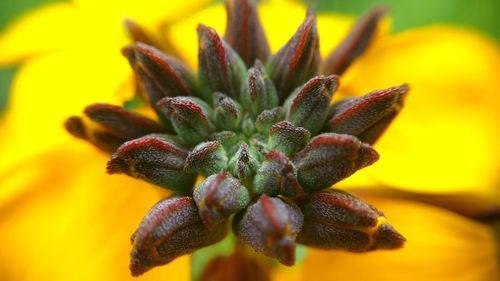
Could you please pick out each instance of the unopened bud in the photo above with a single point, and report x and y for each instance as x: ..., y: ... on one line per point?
x: 287, y: 138
x: 206, y: 158
x: 270, y: 226
x: 276, y: 175
x: 329, y: 158
x: 219, y: 196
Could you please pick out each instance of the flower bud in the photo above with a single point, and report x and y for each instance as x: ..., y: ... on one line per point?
x: 220, y: 68
x: 276, y: 175
x: 227, y: 112
x: 155, y: 159
x: 258, y: 92
x: 206, y: 158
x: 270, y: 226
x: 367, y: 117
x: 244, y: 31
x: 335, y: 219
x: 308, y: 108
x: 172, y: 228
x: 267, y: 118
x: 354, y: 44
x: 297, y: 61
x: 161, y: 75
x: 110, y: 126
x: 244, y: 163
x: 219, y: 196
x: 287, y: 138
x: 228, y: 139
x: 189, y: 116
x: 329, y: 158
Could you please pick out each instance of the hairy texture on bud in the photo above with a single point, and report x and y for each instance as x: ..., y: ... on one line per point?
x: 298, y: 60
x: 244, y: 163
x: 267, y: 118
x: 219, y: 196
x: 258, y: 92
x: 276, y: 175
x: 172, y: 228
x: 270, y: 226
x: 287, y: 138
x: 308, y: 108
x: 189, y: 116
x: 220, y: 68
x: 244, y: 31
x: 161, y: 75
x: 227, y: 112
x: 228, y: 139
x: 329, y: 158
x: 354, y: 44
x: 206, y: 158
x: 367, y: 117
x: 155, y: 159
x: 335, y: 219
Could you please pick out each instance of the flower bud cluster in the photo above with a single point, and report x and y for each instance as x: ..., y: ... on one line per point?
x: 262, y: 133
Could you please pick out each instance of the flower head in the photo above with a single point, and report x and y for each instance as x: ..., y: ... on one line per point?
x: 263, y: 133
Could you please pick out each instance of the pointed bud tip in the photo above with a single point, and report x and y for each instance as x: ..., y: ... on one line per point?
x: 388, y: 238
x: 116, y: 165
x: 75, y: 126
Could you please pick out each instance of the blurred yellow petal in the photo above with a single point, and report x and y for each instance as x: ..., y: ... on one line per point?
x: 56, y: 27
x: 74, y: 222
x: 446, y: 137
x: 441, y: 246
x: 50, y: 88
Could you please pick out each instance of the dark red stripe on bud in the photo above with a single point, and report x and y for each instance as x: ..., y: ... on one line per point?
x: 355, y: 44
x: 276, y: 175
x: 267, y: 118
x: 206, y: 158
x: 308, y: 108
x: 287, y: 138
x: 258, y: 92
x: 220, y: 68
x: 244, y: 31
x: 227, y: 112
x: 329, y: 158
x: 244, y: 163
x: 172, y: 228
x: 219, y: 196
x: 113, y: 125
x: 155, y: 159
x: 189, y: 117
x: 367, y: 117
x: 335, y: 219
x: 270, y: 226
x: 298, y: 60
x: 120, y: 121
x: 161, y: 75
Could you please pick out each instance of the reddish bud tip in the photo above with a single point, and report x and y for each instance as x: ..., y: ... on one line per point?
x: 367, y: 117
x: 308, y: 108
x: 298, y: 60
x: 354, y: 44
x: 220, y: 68
x: 244, y: 31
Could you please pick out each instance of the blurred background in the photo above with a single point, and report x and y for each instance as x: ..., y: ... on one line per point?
x: 481, y: 16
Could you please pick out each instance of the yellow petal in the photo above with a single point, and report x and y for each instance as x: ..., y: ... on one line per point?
x: 55, y: 27
x: 446, y: 138
x: 50, y: 88
x: 441, y: 246
x: 73, y: 222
